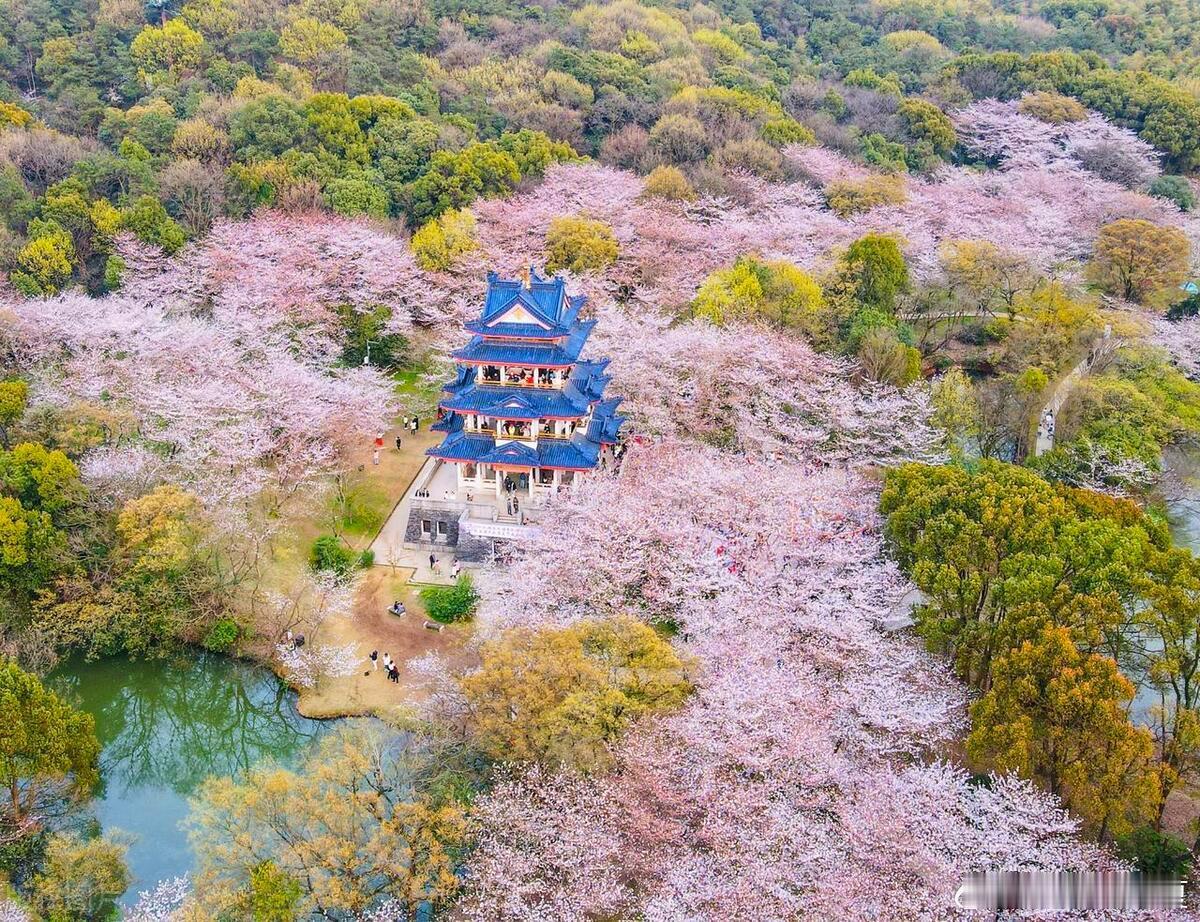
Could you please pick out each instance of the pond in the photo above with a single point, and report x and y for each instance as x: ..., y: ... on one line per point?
x: 164, y: 726
x: 1182, y: 499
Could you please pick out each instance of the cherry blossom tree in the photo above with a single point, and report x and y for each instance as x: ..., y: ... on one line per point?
x: 756, y: 390
x: 800, y: 779
x: 164, y: 902
x: 232, y: 380
x: 998, y: 131
x: 306, y: 666
x: 1181, y: 340
x: 1042, y: 204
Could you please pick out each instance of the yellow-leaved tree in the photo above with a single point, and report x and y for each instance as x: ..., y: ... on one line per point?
x: 1061, y: 716
x: 563, y: 695
x: 1139, y: 260
x: 337, y: 837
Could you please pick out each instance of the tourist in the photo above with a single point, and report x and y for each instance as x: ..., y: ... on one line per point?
x: 394, y: 675
x: 432, y: 563
x: 374, y: 659
x: 289, y: 638
x: 379, y: 440
x: 455, y: 569
x: 397, y: 443
x: 416, y: 424
x: 375, y: 457
x: 387, y: 661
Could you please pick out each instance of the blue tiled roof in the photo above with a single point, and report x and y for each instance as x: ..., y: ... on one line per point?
x: 574, y: 454
x: 519, y: 402
x: 559, y: 337
x: 605, y: 423
x: 502, y: 352
x: 545, y: 298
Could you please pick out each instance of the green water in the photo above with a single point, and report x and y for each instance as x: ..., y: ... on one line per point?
x: 166, y: 725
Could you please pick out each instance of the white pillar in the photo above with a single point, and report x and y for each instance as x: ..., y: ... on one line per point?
x: 557, y: 480
x: 532, y: 477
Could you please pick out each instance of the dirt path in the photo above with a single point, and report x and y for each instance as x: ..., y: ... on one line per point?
x: 371, y: 627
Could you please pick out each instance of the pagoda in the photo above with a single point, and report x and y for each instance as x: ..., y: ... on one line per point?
x: 524, y: 418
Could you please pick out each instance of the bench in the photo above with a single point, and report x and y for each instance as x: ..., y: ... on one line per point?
x: 433, y: 626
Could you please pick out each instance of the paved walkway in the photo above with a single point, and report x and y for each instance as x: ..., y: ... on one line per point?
x: 1048, y: 415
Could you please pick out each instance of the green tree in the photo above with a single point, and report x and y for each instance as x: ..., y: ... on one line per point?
x: 776, y: 292
x: 41, y: 478
x: 926, y: 122
x: 148, y: 219
x: 876, y: 270
x: 580, y: 245
x: 401, y: 147
x: 1001, y: 553
x: 355, y: 195
x: 174, y: 48
x: 855, y: 196
x: 267, y: 128
x: 534, y: 151
x: 48, y: 751
x: 31, y: 548
x: 1053, y: 108
x: 45, y: 264
x: 668, y: 182
x: 955, y: 410
x: 1174, y: 189
x: 272, y: 896
x: 451, y: 603
x: 457, y: 179
x: 14, y: 397
x: 330, y: 553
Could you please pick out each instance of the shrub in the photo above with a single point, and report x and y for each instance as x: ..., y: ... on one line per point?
x: 1175, y: 189
x: 114, y: 268
x: 751, y: 289
x: 1154, y: 852
x: 1053, y: 108
x: 352, y: 197
x: 679, y: 139
x: 781, y: 131
x: 330, y: 554
x: 848, y: 197
x: 580, y: 245
x: 880, y: 151
x: 440, y: 243
x: 1188, y: 307
x: 448, y: 604
x: 926, y: 122
x: 222, y: 635
x: 754, y: 156
x: 366, y: 559
x: 668, y: 182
